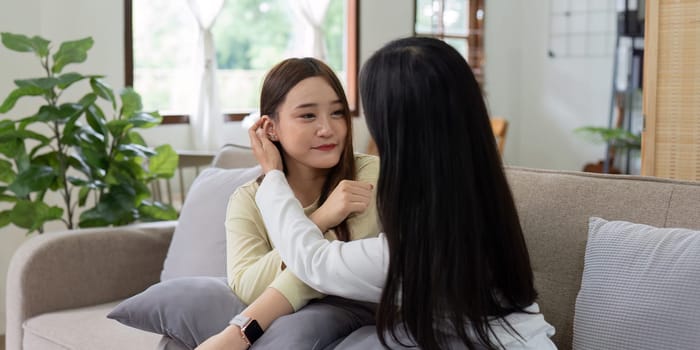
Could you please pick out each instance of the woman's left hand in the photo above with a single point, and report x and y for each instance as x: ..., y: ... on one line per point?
x: 228, y: 339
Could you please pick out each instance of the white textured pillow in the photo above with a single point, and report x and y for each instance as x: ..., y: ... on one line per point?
x: 640, y: 288
x: 198, y: 247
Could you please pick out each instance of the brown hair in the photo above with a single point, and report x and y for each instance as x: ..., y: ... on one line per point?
x: 282, y: 78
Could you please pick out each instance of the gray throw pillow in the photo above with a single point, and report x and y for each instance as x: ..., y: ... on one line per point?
x: 198, y: 247
x: 640, y: 288
x: 188, y: 309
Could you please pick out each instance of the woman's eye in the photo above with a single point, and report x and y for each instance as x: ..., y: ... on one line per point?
x: 308, y: 116
x: 338, y: 114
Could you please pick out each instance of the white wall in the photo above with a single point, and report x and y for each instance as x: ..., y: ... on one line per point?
x: 544, y: 99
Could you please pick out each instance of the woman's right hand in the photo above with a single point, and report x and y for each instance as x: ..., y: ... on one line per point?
x: 347, y: 198
x: 264, y: 150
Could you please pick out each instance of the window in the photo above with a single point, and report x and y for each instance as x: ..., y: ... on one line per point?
x: 250, y: 36
x: 459, y: 22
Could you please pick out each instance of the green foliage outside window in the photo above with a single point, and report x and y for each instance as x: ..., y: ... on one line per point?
x: 250, y: 37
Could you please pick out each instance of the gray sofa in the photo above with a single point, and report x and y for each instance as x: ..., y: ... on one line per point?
x: 61, y: 285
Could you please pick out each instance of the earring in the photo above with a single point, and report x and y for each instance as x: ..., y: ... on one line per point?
x: 272, y: 136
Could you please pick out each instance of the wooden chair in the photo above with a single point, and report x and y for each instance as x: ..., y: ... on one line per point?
x: 500, y: 130
x: 498, y: 125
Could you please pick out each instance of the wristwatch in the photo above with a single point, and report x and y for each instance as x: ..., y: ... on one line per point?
x: 250, y: 329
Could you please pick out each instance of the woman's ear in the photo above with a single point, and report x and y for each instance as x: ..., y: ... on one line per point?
x: 269, y: 128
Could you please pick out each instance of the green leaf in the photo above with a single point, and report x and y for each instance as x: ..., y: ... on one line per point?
x: 88, y: 100
x: 10, y: 144
x: 117, y: 127
x: 68, y: 79
x: 35, y: 178
x: 5, y: 197
x: 617, y: 137
x: 25, y: 134
x: 145, y: 120
x: 69, y: 110
x: 77, y: 181
x: 71, y: 52
x: 128, y: 171
x: 143, y: 192
x: 22, y: 43
x: 33, y: 215
x: 22, y: 158
x: 96, y: 160
x: 46, y: 84
x: 97, y: 121
x: 77, y: 162
x: 91, y: 138
x: 131, y: 102
x: 51, y: 159
x: 18, y: 93
x: 155, y: 211
x: 164, y: 162
x: 136, y: 138
x: 45, y: 114
x: 5, y: 218
x: 115, y: 208
x: 7, y: 125
x: 133, y: 150
x: 83, y: 195
x: 104, y: 91
x: 7, y: 173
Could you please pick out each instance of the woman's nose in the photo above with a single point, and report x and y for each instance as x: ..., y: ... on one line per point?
x: 324, y: 126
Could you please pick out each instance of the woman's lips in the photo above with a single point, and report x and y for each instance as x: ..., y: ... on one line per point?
x: 327, y: 147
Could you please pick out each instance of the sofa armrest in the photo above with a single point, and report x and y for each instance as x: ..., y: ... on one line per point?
x: 77, y: 268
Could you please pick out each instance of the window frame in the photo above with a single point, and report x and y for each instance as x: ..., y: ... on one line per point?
x: 352, y: 28
x: 474, y: 36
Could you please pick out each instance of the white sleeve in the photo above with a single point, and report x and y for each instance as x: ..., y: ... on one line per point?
x: 354, y: 270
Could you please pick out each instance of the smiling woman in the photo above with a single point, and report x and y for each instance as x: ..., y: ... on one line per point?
x: 250, y: 36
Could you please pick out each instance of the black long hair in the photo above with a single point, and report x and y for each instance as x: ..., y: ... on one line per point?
x: 457, y: 252
x: 282, y: 78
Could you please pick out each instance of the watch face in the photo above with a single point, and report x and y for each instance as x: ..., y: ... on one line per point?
x: 253, y: 331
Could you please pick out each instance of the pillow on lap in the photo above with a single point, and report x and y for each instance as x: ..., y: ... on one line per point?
x: 640, y: 288
x: 187, y: 309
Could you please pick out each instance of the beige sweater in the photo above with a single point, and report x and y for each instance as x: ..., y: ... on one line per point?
x: 252, y: 262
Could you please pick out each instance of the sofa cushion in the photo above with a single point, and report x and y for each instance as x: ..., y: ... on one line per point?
x: 84, y: 329
x: 198, y: 247
x: 187, y: 309
x: 640, y: 288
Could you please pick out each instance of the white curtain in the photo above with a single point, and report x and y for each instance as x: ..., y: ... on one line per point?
x: 206, y: 119
x: 308, y: 38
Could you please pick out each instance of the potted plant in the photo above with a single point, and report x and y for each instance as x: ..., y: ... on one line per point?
x: 92, y: 158
x: 617, y: 139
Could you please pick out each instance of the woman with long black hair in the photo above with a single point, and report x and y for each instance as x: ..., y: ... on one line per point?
x: 451, y: 269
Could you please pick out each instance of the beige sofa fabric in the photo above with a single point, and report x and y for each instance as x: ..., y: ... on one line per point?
x: 78, y: 272
x: 554, y: 208
x: 62, y: 329
x: 60, y: 271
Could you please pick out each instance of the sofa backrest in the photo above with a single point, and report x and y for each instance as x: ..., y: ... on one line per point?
x: 234, y: 156
x: 554, y: 207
